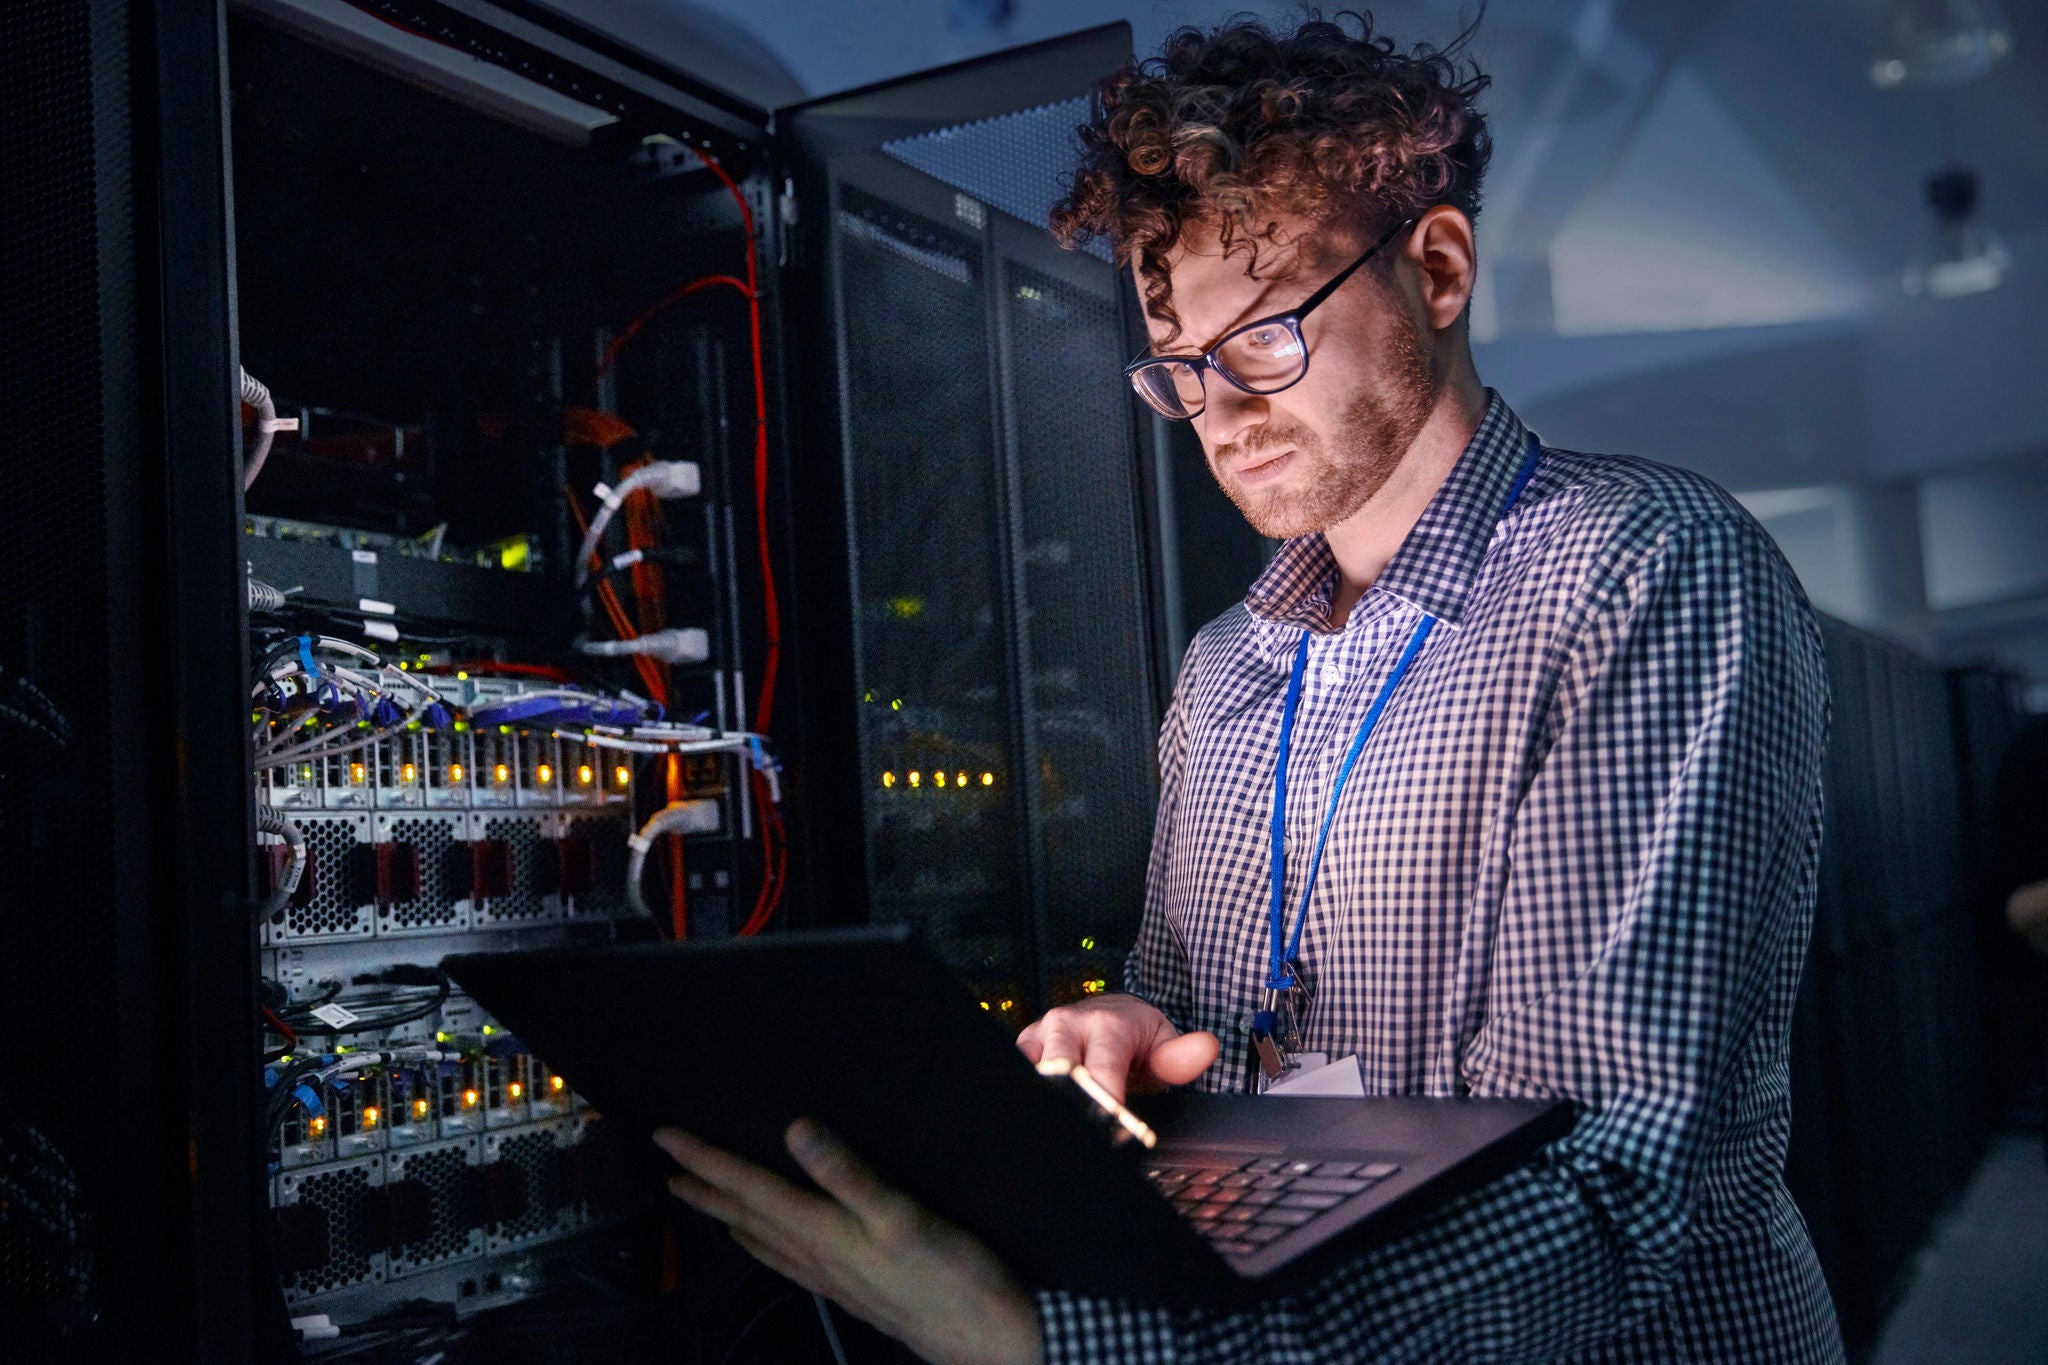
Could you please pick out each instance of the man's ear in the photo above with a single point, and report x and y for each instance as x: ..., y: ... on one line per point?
x: 1442, y: 250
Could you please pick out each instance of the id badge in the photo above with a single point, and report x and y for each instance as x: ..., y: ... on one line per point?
x: 1290, y: 1008
x: 1277, y: 1034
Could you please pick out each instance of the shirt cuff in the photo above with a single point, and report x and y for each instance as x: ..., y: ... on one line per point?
x: 1083, y: 1331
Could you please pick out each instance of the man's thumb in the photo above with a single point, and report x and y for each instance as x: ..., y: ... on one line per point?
x: 1179, y: 1060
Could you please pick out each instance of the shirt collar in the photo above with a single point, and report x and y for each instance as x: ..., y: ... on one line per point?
x: 1436, y: 564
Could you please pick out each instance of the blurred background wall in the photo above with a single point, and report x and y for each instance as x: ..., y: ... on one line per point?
x: 1698, y: 228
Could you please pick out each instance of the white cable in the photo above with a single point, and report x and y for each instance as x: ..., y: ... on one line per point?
x: 831, y: 1329
x: 676, y: 645
x: 677, y: 817
x: 724, y: 745
x: 662, y: 478
x: 316, y: 749
x: 263, y: 597
x: 258, y: 397
x: 270, y: 822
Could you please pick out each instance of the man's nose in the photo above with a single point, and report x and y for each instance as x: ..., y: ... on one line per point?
x: 1228, y: 412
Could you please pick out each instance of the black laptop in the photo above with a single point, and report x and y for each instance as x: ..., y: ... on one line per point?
x: 867, y: 1032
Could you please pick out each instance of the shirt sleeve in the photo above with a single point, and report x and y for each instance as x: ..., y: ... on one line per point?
x: 2016, y: 844
x: 1648, y: 939
x: 1157, y: 968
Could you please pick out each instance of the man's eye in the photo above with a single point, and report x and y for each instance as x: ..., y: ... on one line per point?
x: 1268, y: 341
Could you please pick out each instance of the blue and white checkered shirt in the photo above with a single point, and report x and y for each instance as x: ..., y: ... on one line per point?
x: 1576, y: 859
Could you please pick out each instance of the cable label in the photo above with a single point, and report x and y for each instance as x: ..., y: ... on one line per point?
x: 335, y: 1016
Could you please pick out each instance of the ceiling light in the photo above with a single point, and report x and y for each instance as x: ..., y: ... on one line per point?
x: 1938, y: 42
x: 1963, y: 256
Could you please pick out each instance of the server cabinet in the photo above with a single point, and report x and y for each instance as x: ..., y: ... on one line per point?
x: 985, y: 492
x: 958, y: 507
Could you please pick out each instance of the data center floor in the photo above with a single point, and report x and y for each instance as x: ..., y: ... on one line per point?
x: 1980, y: 1293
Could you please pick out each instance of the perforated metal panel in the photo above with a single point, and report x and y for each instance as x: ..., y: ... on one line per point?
x: 63, y: 271
x: 536, y: 1153
x: 447, y: 1171
x: 1019, y: 162
x: 526, y: 841
x: 336, y: 909
x: 935, y: 671
x: 1084, y: 581
x: 605, y: 836
x: 343, y: 1191
x: 435, y: 909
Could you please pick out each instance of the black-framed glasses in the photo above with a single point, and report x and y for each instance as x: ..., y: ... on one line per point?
x: 1260, y: 357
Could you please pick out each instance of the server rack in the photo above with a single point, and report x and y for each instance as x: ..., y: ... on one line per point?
x: 128, y: 266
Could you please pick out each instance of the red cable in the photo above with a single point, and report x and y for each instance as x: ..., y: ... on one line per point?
x: 775, y: 868
x: 774, y: 852
x: 634, y: 328
x: 282, y: 1030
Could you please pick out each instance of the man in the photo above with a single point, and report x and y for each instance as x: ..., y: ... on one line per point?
x: 1551, y: 790
x: 2016, y: 876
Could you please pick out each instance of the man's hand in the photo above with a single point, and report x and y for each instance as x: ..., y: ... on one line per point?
x: 2027, y: 912
x: 1118, y: 1037
x: 867, y: 1247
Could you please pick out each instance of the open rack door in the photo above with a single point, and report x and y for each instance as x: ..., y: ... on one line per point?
x: 970, y: 495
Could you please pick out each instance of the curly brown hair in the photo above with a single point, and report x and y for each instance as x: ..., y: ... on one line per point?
x: 1234, y: 127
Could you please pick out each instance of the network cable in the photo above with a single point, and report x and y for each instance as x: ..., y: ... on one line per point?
x: 662, y: 478
x: 270, y: 822
x: 305, y: 1020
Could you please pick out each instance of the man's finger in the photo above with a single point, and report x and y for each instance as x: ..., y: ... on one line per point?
x: 845, y: 1176
x: 1107, y: 1055
x: 1030, y: 1043
x: 706, y: 1199
x: 1179, y: 1060
x: 752, y: 1196
x: 769, y: 1256
x: 1055, y: 1038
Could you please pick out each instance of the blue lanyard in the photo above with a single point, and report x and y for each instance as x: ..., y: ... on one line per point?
x: 1284, y: 948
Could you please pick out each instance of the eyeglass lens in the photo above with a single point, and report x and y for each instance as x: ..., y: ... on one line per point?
x: 1262, y: 358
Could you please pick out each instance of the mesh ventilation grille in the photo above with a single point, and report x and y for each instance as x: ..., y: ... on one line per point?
x: 445, y: 1172
x: 344, y: 1193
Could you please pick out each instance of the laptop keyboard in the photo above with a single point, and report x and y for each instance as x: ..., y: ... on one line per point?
x: 1241, y: 1208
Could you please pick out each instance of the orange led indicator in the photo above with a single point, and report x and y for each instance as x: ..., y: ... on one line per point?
x: 888, y: 779
x: 318, y: 1126
x: 544, y: 773
x: 585, y: 776
x: 469, y: 1098
x: 939, y: 779
x: 622, y: 774
x: 369, y: 1116
x: 961, y: 779
x: 557, y: 1084
x: 916, y: 779
x: 502, y: 773
x: 419, y: 1109
x: 988, y: 779
x: 409, y: 773
x: 356, y: 773
x: 516, y: 1090
x: 455, y: 772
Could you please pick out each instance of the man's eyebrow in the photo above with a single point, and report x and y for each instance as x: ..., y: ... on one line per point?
x: 1251, y: 312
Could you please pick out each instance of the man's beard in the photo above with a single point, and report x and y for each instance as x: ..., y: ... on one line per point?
x: 1341, y: 476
